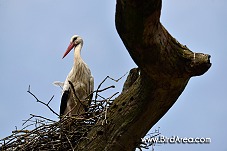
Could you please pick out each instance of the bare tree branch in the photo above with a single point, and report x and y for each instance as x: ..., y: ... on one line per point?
x: 46, y: 104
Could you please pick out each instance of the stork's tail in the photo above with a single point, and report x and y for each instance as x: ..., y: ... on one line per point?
x: 58, y: 84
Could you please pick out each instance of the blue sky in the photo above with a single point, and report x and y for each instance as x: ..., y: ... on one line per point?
x: 35, y: 34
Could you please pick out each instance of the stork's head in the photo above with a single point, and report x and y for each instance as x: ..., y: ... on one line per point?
x: 74, y: 41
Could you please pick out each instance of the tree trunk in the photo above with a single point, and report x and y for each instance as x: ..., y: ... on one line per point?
x: 164, y: 69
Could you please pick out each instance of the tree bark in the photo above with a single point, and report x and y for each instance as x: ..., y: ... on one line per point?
x: 164, y: 69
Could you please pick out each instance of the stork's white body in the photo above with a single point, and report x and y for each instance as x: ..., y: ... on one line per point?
x: 80, y: 76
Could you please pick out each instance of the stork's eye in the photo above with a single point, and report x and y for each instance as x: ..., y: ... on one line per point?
x: 74, y: 39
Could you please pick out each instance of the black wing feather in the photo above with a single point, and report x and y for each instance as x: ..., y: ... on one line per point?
x: 64, y: 100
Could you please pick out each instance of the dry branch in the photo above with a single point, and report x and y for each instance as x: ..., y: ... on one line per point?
x: 46, y: 104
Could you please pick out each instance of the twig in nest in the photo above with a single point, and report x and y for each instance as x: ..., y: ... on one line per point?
x: 74, y: 92
x: 107, y: 77
x: 68, y: 112
x: 46, y: 104
x: 107, y: 101
x: 96, y: 91
x: 27, y: 121
x: 42, y: 117
x: 69, y: 142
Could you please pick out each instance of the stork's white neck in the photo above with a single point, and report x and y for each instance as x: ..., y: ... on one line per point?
x: 77, y: 51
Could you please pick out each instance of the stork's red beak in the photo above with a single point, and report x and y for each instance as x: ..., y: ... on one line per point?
x: 70, y: 47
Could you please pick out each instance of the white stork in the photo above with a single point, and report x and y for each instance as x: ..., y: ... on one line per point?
x: 76, y: 103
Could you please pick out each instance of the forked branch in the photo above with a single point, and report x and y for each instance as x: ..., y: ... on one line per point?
x: 46, y: 104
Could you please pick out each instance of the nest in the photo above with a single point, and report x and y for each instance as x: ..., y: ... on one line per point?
x: 57, y: 135
x: 50, y: 135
